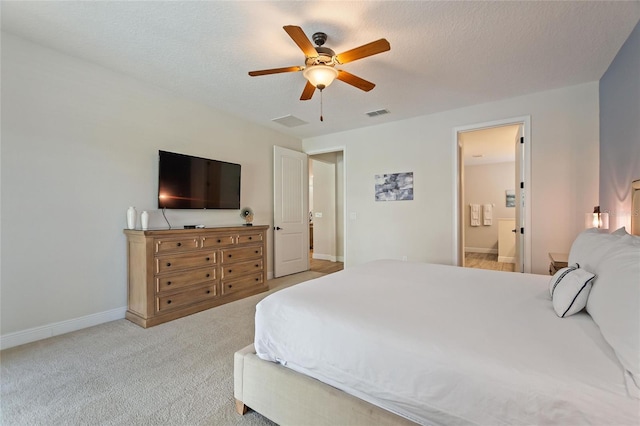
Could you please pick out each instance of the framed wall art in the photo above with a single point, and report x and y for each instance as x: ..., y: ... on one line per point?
x: 394, y: 187
x: 510, y: 197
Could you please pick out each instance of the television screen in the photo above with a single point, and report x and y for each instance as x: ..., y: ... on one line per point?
x: 187, y: 182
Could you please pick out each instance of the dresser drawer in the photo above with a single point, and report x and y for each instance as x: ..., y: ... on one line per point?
x: 232, y: 270
x: 182, y: 279
x: 217, y: 241
x: 175, y: 245
x: 186, y: 297
x: 177, y: 262
x: 246, y: 282
x: 240, y: 254
x: 250, y: 238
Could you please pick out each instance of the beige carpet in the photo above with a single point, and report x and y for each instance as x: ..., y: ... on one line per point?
x: 178, y: 373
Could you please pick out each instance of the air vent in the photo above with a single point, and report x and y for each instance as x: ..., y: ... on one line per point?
x: 290, y: 121
x: 378, y: 112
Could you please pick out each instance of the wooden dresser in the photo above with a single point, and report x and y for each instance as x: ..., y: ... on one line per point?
x: 178, y: 272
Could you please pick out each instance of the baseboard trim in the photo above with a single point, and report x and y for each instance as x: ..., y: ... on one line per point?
x: 506, y: 259
x: 18, y: 338
x: 480, y: 250
x: 320, y: 256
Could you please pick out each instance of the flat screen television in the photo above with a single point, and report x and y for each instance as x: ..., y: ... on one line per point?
x: 187, y: 182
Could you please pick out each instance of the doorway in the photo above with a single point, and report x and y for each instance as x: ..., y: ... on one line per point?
x: 492, y: 217
x: 326, y: 211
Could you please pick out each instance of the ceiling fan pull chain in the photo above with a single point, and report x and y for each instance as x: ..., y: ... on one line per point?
x: 321, y: 118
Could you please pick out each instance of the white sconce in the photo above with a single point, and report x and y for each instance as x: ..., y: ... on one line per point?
x: 596, y: 219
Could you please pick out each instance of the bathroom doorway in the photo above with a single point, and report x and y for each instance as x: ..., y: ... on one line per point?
x: 491, y: 203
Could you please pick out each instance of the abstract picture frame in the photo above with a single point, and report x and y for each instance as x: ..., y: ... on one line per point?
x: 394, y: 187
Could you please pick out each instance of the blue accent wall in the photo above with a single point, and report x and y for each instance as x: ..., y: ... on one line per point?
x: 620, y: 132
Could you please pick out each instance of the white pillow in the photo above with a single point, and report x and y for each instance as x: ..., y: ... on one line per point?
x: 590, y: 246
x: 620, y: 231
x: 614, y: 302
x: 569, y: 289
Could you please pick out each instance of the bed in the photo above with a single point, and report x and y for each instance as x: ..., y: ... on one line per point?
x: 393, y: 342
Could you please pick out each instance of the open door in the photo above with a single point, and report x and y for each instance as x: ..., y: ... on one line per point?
x: 520, y: 201
x: 290, y: 211
x: 461, y: 253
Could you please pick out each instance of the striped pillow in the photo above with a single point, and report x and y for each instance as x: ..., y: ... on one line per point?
x: 569, y: 289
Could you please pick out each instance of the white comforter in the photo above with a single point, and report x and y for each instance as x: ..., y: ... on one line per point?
x: 447, y: 345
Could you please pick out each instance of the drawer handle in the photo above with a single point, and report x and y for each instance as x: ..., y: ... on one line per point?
x: 230, y: 286
x: 230, y: 271
x: 257, y: 251
x: 208, y: 275
x: 208, y: 291
x: 179, y: 244
x: 257, y: 266
x: 229, y: 255
x: 219, y: 241
x: 251, y: 238
x: 208, y: 259
x: 168, y: 263
x: 168, y: 282
x: 257, y: 279
x: 168, y: 302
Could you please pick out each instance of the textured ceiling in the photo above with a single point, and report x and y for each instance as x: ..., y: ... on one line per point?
x: 488, y: 146
x: 444, y: 55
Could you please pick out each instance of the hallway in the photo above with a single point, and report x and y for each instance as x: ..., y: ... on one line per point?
x: 324, y: 266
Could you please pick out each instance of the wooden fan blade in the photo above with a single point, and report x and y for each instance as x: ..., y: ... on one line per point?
x: 308, y: 91
x: 301, y: 39
x: 355, y: 81
x: 274, y: 71
x: 363, y: 51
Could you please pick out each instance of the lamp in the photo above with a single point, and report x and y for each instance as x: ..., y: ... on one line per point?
x: 596, y: 219
x: 320, y: 76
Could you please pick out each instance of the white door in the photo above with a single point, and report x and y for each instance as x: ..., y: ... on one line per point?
x: 290, y: 211
x: 520, y: 201
x: 461, y: 222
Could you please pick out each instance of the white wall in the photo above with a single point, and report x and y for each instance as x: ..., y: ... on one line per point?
x: 486, y: 184
x: 79, y: 145
x: 564, y: 156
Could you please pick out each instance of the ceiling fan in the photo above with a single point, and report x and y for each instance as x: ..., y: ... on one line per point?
x: 320, y: 62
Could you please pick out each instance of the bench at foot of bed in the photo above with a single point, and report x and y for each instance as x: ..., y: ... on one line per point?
x: 241, y: 408
x: 287, y: 397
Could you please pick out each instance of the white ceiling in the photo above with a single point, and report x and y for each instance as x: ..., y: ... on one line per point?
x: 444, y: 55
x: 488, y: 146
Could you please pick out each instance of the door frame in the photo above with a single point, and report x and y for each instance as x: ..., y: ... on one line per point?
x: 458, y: 245
x: 342, y: 149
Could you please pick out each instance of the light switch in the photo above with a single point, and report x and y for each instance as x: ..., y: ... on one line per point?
x: 318, y: 214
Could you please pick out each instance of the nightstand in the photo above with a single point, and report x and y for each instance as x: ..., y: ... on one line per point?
x: 558, y: 261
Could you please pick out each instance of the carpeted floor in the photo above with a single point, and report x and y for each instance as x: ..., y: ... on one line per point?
x: 177, y: 373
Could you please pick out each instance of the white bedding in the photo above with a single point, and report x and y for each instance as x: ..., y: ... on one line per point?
x: 446, y: 345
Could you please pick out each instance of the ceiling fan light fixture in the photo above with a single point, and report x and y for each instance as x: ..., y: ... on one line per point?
x: 320, y: 76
